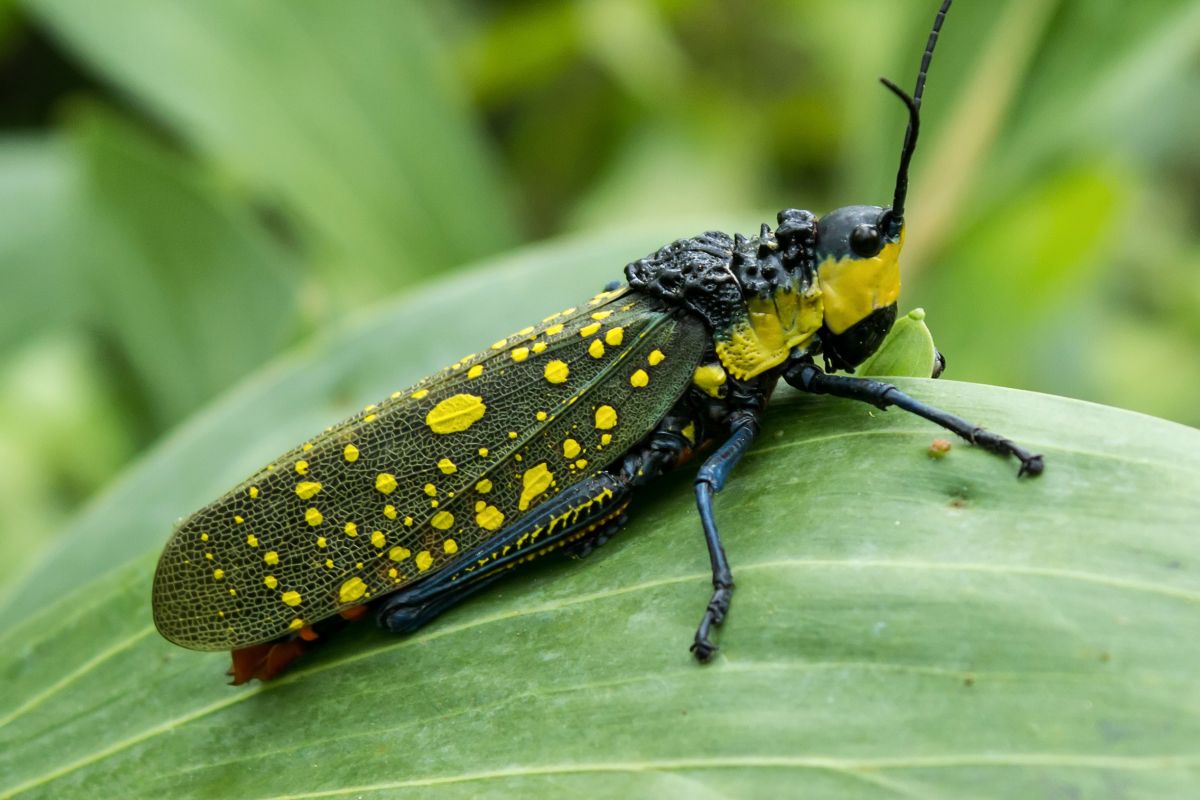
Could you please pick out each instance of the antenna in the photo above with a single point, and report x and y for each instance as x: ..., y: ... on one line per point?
x: 896, y: 213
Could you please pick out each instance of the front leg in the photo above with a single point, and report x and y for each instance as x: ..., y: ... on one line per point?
x: 809, y: 378
x: 710, y: 480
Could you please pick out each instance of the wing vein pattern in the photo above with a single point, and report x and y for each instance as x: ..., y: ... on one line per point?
x: 409, y: 485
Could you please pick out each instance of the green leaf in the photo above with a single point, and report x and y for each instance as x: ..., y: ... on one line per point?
x: 907, y: 350
x: 184, y: 284
x: 344, y: 114
x: 38, y: 198
x: 902, y: 625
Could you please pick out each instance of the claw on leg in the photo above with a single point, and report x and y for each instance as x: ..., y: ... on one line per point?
x: 702, y: 647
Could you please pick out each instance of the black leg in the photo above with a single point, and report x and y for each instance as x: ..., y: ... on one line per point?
x: 809, y: 378
x: 398, y: 617
x: 591, y: 506
x: 709, y: 481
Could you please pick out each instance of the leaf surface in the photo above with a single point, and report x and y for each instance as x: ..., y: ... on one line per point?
x: 901, y: 625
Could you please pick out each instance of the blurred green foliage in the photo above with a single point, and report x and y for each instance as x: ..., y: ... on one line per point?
x: 187, y: 188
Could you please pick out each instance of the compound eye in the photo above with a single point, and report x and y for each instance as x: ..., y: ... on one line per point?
x: 865, y: 241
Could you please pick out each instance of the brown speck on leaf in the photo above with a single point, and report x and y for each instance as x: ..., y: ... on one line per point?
x: 938, y: 448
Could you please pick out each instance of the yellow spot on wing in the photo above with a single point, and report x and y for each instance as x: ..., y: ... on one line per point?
x: 296, y: 625
x: 484, y: 486
x: 450, y: 547
x: 528, y: 329
x: 378, y: 539
x: 614, y: 336
x: 352, y: 590
x: 489, y: 518
x: 571, y: 448
x: 399, y: 553
x: 499, y: 344
x: 541, y: 416
x: 455, y: 414
x: 351, y: 529
x: 237, y: 520
x: 321, y: 541
x: 483, y: 451
x: 606, y: 418
x: 557, y: 371
x: 270, y: 581
x: 271, y: 557
x: 596, y: 349
x: 655, y: 358
x: 424, y: 560
x: 291, y: 598
x: 689, y: 432
x: 475, y: 371
x: 447, y: 466
x: 253, y: 492
x: 601, y: 314
x: 588, y: 330
x: 252, y: 540
x: 419, y: 393
x: 218, y: 574
x: 301, y: 467
x: 313, y: 517
x: 536, y: 480
x: 539, y: 347
x: 350, y: 453
x: 553, y: 329
x: 385, y: 482
x: 431, y: 490
x: 306, y: 490
x: 639, y: 379
x: 606, y: 439
x: 389, y: 511
x: 520, y: 354
x: 442, y: 520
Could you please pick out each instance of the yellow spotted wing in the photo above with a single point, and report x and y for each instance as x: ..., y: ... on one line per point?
x: 409, y: 486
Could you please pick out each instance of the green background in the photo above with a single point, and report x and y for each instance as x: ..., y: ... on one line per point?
x: 198, y: 196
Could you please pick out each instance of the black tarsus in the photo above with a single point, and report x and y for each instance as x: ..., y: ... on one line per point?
x: 896, y: 213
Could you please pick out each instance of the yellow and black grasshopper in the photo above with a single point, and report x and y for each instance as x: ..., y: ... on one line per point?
x: 539, y: 442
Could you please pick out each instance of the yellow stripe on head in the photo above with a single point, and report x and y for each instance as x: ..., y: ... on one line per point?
x: 853, y: 287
